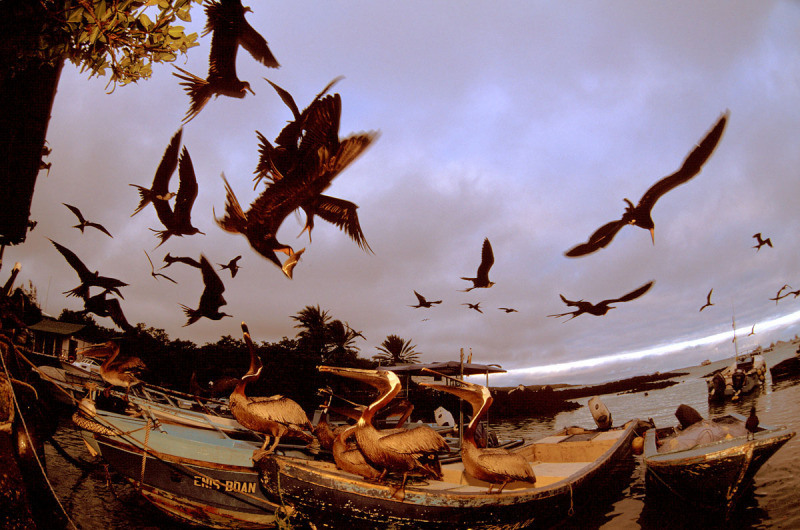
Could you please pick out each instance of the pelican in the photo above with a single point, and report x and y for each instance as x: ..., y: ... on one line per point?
x: 275, y: 416
x: 392, y: 450
x: 492, y: 465
x: 348, y: 456
x: 113, y: 372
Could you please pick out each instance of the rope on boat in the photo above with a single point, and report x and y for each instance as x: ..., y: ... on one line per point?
x: 282, y: 512
x: 145, y: 450
x: 571, y: 510
x: 5, y: 347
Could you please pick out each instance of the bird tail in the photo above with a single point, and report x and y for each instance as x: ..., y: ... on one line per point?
x: 163, y: 235
x: 145, y: 198
x: 198, y: 90
x: 193, y: 314
x: 234, y: 220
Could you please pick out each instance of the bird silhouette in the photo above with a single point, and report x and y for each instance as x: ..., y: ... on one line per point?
x: 752, y: 423
x: 476, y: 306
x: 310, y: 154
x: 88, y: 278
x: 229, y: 30
x: 481, y: 279
x: 708, y: 300
x: 103, y: 306
x: 153, y: 272
x: 423, y: 302
x: 232, y: 265
x: 211, y: 299
x: 83, y: 223
x: 752, y: 330
x: 169, y: 260
x: 178, y: 222
x: 601, y: 308
x: 508, y: 309
x: 640, y: 215
x: 761, y: 242
x: 166, y: 167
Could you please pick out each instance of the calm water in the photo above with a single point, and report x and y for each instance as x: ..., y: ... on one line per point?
x: 95, y: 498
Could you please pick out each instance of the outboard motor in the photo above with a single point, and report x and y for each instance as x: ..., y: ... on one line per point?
x: 716, y: 388
x: 737, y: 380
x: 600, y: 413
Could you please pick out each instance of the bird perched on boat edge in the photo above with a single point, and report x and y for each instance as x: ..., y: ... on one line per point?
x: 275, y: 416
x: 493, y: 465
x: 392, y: 450
x: 83, y: 223
x: 600, y: 308
x: 708, y: 300
x: 640, y: 215
x: 481, y: 279
x: 423, y: 302
x: 752, y: 423
x: 761, y: 242
x: 229, y: 29
x: 211, y: 299
x: 87, y: 277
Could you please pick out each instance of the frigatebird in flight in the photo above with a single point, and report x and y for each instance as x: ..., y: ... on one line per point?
x: 229, y: 30
x: 232, y: 265
x: 87, y: 277
x: 640, y: 215
x: 83, y: 223
x: 166, y: 167
x: 423, y: 302
x: 476, y: 306
x: 481, y: 279
x: 153, y: 272
x: 708, y: 300
x: 169, y: 260
x: 761, y: 242
x: 211, y: 299
x: 600, y: 308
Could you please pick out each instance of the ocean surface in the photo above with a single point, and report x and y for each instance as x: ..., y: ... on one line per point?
x: 96, y: 498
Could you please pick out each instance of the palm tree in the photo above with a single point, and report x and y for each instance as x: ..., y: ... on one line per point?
x: 342, y: 350
x: 395, y: 350
x: 313, y: 337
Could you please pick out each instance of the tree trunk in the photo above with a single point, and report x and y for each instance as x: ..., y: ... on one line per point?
x: 24, y: 116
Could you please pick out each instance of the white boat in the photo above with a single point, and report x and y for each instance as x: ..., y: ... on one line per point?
x: 743, y: 376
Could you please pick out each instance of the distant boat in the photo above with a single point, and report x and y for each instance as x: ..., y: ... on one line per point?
x: 787, y: 368
x: 741, y: 377
x: 571, y: 470
x: 706, y: 362
x: 711, y: 475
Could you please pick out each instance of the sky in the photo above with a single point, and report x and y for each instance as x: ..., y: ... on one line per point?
x: 526, y: 123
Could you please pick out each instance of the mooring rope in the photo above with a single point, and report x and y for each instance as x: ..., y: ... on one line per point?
x: 3, y: 351
x: 145, y: 450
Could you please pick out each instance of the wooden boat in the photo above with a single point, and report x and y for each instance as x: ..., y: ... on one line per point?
x: 709, y: 476
x: 200, y: 476
x: 570, y: 470
x: 742, y: 377
x: 787, y: 368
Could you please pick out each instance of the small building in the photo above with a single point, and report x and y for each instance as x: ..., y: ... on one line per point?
x: 54, y: 338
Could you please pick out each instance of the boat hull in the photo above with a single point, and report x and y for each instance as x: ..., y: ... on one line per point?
x: 325, y: 496
x: 710, y: 476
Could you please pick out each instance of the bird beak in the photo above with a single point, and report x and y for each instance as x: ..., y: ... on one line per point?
x: 653, y: 235
x: 251, y: 90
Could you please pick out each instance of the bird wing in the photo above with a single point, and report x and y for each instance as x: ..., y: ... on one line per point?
x: 114, y: 310
x: 76, y: 211
x: 501, y: 462
x: 253, y: 42
x: 343, y: 214
x: 169, y: 161
x: 214, y: 286
x: 278, y: 408
x: 420, y: 439
x: 691, y: 166
x: 224, y: 42
x: 420, y: 298
x: 234, y: 220
x: 74, y: 261
x: 187, y: 191
x: 100, y: 227
x: 487, y: 260
x: 599, y: 239
x: 631, y: 295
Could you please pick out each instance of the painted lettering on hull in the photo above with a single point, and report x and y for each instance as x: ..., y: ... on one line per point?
x: 228, y: 485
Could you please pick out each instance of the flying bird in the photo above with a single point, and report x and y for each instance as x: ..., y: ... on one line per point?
x: 122, y: 373
x: 752, y: 330
x: 640, y: 215
x: 178, y: 222
x: 476, y: 306
x: 229, y: 30
x: 761, y: 242
x: 153, y: 272
x: 508, y: 309
x: 482, y: 277
x: 708, y: 300
x: 169, y: 260
x: 232, y: 266
x: 88, y: 278
x: 423, y: 302
x: 166, y: 167
x: 211, y: 299
x: 83, y: 223
x: 601, y: 308
x: 103, y: 306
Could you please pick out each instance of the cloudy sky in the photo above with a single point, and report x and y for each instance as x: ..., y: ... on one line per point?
x: 523, y: 122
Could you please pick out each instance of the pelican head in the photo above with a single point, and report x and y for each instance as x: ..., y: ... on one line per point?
x: 385, y: 381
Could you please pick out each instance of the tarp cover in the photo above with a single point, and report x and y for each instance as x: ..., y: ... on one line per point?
x: 702, y: 432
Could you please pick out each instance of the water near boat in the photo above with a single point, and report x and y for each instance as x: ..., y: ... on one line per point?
x: 95, y: 502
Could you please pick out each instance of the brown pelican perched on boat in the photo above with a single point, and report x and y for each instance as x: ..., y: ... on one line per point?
x: 348, y: 456
x: 275, y: 416
x: 493, y: 465
x: 397, y: 450
x: 120, y: 373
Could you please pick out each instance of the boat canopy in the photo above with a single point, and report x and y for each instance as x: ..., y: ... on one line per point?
x: 451, y: 368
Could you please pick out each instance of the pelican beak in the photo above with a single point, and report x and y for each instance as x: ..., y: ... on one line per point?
x: 653, y: 235
x: 463, y: 392
x: 379, y: 379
